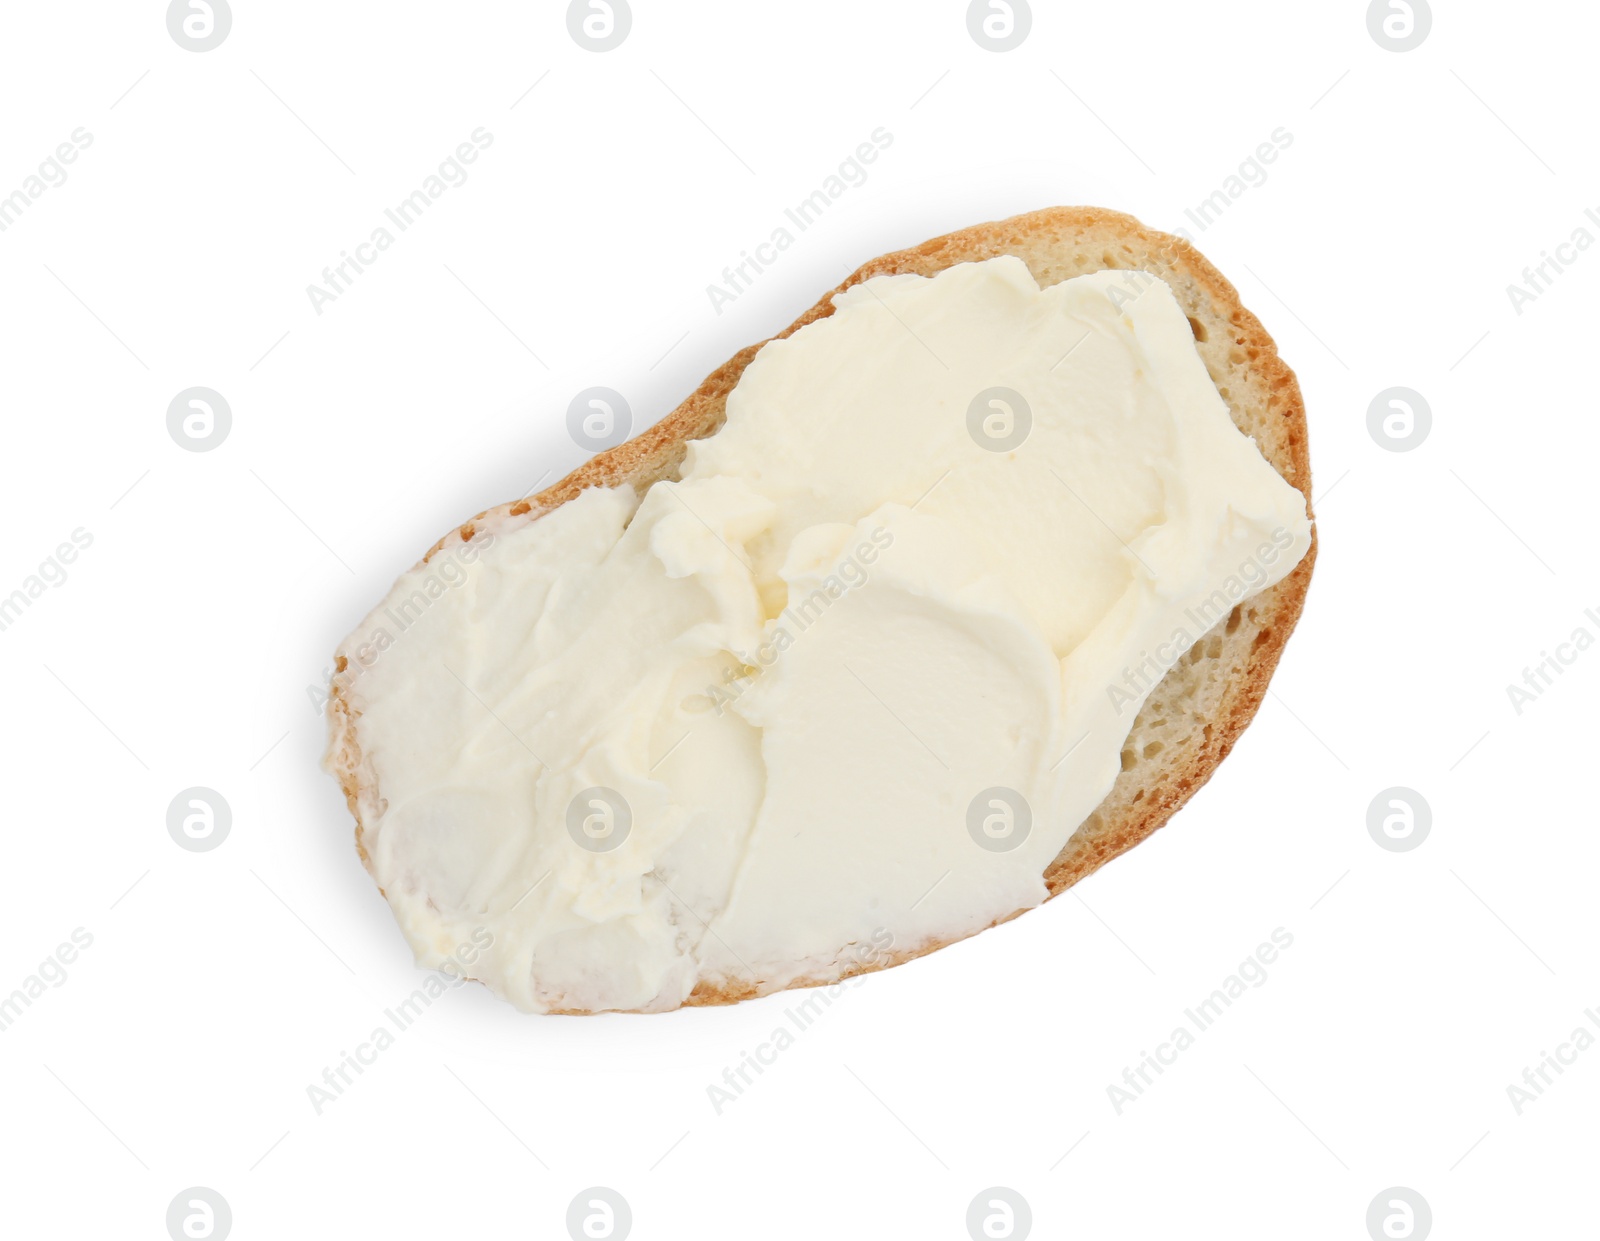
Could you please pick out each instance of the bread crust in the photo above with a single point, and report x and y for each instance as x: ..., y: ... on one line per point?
x: 1264, y: 399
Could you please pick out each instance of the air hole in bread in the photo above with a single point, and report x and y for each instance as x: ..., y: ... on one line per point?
x: 1234, y: 618
x: 1198, y: 328
x: 1128, y: 760
x: 1154, y: 748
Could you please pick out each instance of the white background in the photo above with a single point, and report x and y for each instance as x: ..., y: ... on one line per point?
x: 179, y: 649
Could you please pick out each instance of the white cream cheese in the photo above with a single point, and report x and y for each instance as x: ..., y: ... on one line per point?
x: 852, y: 682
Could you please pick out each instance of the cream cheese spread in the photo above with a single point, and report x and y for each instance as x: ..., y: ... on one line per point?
x: 852, y: 681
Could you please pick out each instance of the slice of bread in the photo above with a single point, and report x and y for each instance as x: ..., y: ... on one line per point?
x: 1193, y: 717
